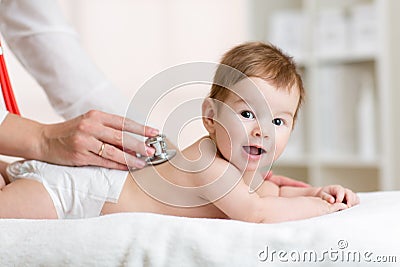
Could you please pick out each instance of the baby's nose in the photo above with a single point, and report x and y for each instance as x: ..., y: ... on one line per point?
x: 259, y: 132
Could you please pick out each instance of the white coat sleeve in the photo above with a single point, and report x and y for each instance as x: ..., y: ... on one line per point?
x: 3, y: 114
x: 3, y: 110
x: 49, y: 49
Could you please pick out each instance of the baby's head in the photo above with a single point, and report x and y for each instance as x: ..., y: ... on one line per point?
x: 257, y: 59
x: 233, y: 103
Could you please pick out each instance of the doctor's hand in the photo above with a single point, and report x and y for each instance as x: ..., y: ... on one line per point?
x: 95, y: 138
x: 280, y: 180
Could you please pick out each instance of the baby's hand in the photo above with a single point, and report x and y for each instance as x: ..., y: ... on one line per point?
x: 338, y: 194
x: 336, y: 207
x: 323, y: 207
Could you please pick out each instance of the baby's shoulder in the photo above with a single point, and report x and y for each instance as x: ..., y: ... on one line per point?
x: 206, y: 163
x: 205, y: 153
x: 216, y: 169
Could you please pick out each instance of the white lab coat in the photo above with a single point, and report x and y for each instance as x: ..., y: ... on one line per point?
x: 42, y: 40
x: 3, y: 114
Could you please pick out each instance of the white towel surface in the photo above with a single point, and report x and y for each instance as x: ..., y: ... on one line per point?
x: 370, y: 230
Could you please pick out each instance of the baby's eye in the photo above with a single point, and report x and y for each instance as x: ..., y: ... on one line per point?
x: 278, y: 122
x: 247, y: 114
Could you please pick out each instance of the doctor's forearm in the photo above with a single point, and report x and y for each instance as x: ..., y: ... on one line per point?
x: 20, y: 137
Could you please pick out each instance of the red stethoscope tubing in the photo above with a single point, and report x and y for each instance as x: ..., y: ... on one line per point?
x: 8, y: 94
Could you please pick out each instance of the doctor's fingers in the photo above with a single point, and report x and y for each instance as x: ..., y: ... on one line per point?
x: 106, y: 163
x: 137, y: 128
x: 109, y: 128
x: 117, y: 141
x: 120, y: 123
x: 112, y: 157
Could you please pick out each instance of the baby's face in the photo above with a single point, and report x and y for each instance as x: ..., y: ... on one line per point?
x: 254, y: 123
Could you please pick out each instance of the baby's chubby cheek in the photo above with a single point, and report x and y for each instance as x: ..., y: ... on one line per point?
x: 280, y: 145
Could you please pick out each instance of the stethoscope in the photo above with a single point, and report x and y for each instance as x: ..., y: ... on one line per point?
x: 162, y: 153
x: 8, y: 94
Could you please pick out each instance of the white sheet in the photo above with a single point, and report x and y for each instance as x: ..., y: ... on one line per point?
x: 158, y: 240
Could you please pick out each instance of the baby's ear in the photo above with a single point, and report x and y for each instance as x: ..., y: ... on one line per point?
x: 208, y: 113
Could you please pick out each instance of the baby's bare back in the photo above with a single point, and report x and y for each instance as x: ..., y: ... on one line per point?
x: 171, y: 188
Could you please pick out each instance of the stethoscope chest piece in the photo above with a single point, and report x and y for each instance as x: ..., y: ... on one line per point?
x: 162, y: 153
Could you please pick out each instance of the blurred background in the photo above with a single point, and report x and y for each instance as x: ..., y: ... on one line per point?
x: 346, y: 50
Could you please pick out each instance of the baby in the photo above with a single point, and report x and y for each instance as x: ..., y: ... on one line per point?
x: 249, y: 115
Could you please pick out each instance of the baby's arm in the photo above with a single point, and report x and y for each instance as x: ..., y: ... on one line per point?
x: 240, y: 204
x: 330, y: 193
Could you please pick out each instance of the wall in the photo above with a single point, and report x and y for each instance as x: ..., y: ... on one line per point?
x: 394, y: 57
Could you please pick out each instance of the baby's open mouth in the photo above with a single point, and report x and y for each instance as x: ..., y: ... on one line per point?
x: 253, y: 150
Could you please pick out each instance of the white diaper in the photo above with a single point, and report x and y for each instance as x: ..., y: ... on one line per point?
x: 77, y: 192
